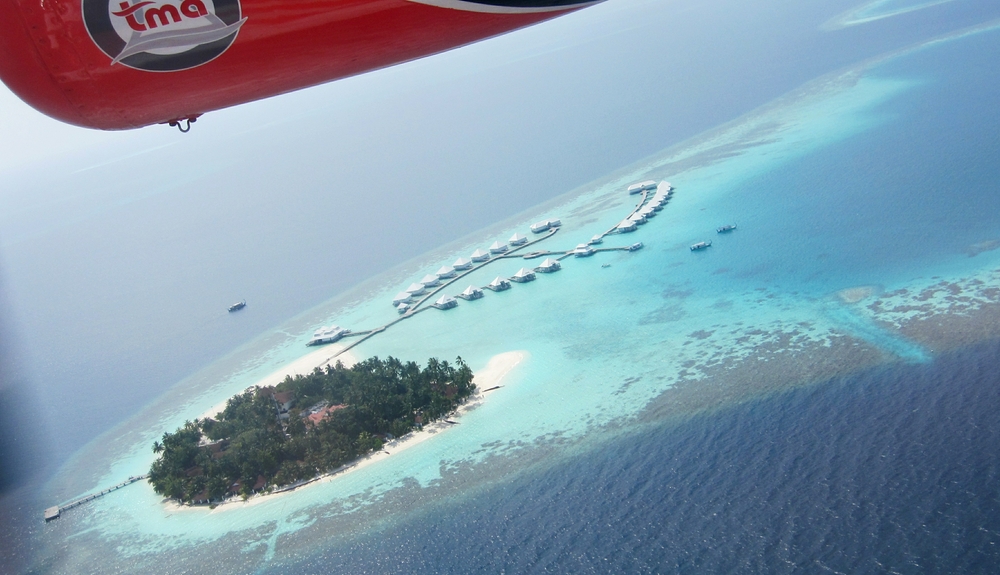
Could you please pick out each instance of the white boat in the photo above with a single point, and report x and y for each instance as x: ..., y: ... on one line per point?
x: 471, y: 293
x: 548, y: 265
x: 328, y: 335
x: 445, y: 302
x: 700, y: 246
x: 523, y: 275
x: 635, y: 247
x: 517, y: 240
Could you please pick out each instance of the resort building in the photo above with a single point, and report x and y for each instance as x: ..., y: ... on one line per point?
x: 641, y: 187
x: 471, y: 293
x: 638, y: 218
x: 327, y: 335
x: 540, y: 227
x: 598, y: 239
x: 555, y: 223
x: 445, y: 302
x: 416, y: 289
x: 446, y: 272
x: 548, y: 265
x: 480, y: 256
x: 462, y: 264
x: 402, y: 297
x: 626, y: 226
x: 430, y: 280
x: 523, y: 275
x: 517, y: 240
x: 499, y: 284
x: 498, y: 248
x: 403, y: 308
x: 583, y: 250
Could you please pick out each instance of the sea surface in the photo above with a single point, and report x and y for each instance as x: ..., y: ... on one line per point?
x: 816, y: 392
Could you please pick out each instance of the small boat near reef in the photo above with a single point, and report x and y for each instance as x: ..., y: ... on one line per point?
x: 238, y: 306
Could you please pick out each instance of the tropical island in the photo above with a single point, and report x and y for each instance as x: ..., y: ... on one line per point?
x: 270, y: 437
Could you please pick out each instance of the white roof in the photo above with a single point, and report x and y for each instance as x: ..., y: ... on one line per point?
x: 548, y: 263
x: 497, y: 246
x: 403, y: 306
x: 429, y: 279
x: 523, y: 272
x: 479, y: 254
x: 555, y: 222
x: 401, y: 296
x: 471, y: 290
x: 445, y: 270
x: 516, y: 238
x: 499, y: 280
x: 444, y: 299
x: 461, y: 262
x: 415, y: 288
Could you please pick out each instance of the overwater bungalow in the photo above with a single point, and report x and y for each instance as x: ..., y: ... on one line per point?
x: 403, y: 308
x: 462, y: 264
x: 647, y: 212
x: 445, y: 302
x: 523, y: 275
x: 555, y: 223
x: 583, y: 250
x: 498, y: 248
x: 499, y: 284
x: 328, y: 335
x: 598, y: 239
x: 638, y: 218
x: 540, y: 227
x: 446, y: 272
x: 640, y: 187
x: 471, y: 293
x: 626, y: 226
x: 517, y: 240
x: 402, y: 297
x: 548, y: 265
x: 480, y: 256
x: 416, y: 289
x: 430, y: 280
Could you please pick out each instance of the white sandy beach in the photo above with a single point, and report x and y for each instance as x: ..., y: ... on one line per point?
x: 487, y: 378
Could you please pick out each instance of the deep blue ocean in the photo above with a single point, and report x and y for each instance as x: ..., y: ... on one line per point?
x: 857, y: 147
x: 891, y: 470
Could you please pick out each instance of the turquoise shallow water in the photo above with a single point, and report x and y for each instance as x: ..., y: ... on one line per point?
x: 842, y: 183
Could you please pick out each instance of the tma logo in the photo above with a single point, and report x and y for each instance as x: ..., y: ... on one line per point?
x: 162, y: 36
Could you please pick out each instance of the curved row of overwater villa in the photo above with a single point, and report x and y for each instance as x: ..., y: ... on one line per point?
x: 408, y: 301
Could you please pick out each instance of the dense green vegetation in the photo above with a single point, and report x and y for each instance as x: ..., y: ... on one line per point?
x: 333, y: 416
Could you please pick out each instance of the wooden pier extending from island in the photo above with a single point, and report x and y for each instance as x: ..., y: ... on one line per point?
x: 56, y: 511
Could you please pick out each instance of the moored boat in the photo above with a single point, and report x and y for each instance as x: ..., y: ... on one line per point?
x: 700, y: 246
x: 238, y: 306
x: 726, y: 228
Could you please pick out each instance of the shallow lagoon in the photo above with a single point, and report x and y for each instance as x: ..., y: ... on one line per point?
x: 850, y: 181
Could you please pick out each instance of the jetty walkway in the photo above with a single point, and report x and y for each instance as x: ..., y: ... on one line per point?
x: 56, y: 511
x: 515, y: 252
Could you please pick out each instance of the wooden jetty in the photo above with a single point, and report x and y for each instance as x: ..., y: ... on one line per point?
x: 56, y: 511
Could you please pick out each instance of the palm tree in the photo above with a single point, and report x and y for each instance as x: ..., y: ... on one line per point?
x: 157, y: 447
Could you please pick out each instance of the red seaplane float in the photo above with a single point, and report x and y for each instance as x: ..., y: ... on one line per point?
x: 121, y: 64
